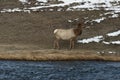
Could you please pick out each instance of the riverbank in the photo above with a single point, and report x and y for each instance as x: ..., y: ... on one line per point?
x: 53, y: 55
x: 30, y: 36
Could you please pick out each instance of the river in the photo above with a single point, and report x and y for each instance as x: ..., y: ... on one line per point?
x: 59, y: 70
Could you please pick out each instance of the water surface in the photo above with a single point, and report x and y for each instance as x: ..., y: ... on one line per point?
x: 59, y: 70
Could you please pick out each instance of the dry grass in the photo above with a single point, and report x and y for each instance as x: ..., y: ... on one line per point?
x: 34, y: 28
x: 7, y: 4
x: 45, y: 55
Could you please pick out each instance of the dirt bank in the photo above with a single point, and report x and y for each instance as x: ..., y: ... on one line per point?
x: 53, y: 55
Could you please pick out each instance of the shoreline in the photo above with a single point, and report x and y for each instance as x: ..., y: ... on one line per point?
x: 56, y: 55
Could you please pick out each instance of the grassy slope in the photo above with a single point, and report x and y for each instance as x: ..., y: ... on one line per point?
x: 37, y: 28
x: 35, y: 32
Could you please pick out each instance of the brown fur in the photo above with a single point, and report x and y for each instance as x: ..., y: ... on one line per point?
x: 77, y: 32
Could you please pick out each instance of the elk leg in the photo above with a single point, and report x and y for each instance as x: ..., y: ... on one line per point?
x: 70, y: 43
x: 57, y: 42
x: 54, y: 44
x: 73, y: 44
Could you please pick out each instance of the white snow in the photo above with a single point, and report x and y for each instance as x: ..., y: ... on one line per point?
x: 24, y: 1
x: 101, y: 38
x: 66, y: 2
x: 116, y: 33
x: 99, y: 20
x: 70, y: 21
x: 15, y: 10
x: 112, y: 42
x: 115, y: 42
x: 42, y: 0
x: 94, y: 5
x: 106, y: 42
x: 87, y: 4
x: 76, y: 19
x: 12, y: 10
x: 94, y: 39
x: 115, y: 16
x: 111, y: 52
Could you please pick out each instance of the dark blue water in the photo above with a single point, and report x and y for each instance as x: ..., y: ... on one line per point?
x: 59, y: 70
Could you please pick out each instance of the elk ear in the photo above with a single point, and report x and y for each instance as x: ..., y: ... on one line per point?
x: 79, y: 24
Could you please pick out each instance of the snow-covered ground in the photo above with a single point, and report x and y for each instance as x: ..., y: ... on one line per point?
x: 82, y: 4
x: 112, y: 7
x: 101, y: 38
x: 73, y: 5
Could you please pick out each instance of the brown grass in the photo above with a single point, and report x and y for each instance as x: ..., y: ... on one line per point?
x: 34, y: 28
x: 7, y: 4
x: 53, y: 55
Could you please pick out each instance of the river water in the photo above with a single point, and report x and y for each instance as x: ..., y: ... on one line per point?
x: 59, y: 70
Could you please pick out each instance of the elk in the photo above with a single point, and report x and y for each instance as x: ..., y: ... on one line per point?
x: 67, y: 34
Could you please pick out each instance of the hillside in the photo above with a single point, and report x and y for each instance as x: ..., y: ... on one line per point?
x: 29, y: 25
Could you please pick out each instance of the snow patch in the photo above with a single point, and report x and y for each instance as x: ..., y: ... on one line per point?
x: 79, y: 5
x: 99, y: 20
x: 114, y: 16
x: 82, y: 4
x: 114, y: 33
x: 115, y: 42
x: 111, y: 52
x: 106, y: 42
x: 24, y: 1
x: 101, y: 38
x: 94, y: 39
x: 112, y: 42
x: 70, y: 21
x: 42, y: 0
x: 15, y: 10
